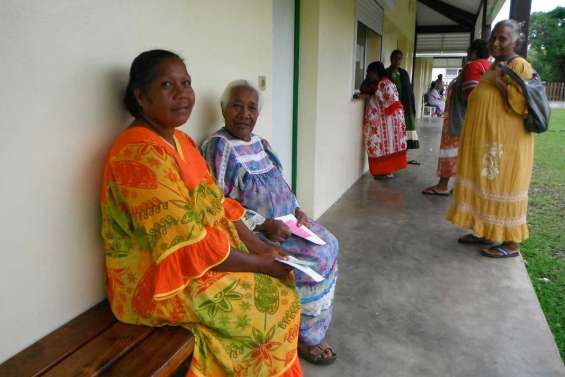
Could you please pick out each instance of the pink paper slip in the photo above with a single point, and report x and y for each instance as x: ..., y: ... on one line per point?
x: 300, y: 231
x: 296, y: 230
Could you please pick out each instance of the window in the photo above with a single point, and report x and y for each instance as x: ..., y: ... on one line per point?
x: 367, y: 50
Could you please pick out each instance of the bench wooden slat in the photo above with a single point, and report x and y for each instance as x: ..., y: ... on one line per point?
x: 56, y: 346
x: 101, y: 352
x: 160, y: 354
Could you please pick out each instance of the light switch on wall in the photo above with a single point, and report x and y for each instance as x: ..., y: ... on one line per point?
x: 262, y: 82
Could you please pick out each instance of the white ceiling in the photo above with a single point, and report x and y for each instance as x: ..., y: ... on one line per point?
x: 426, y: 16
x: 449, y: 43
x: 471, y: 6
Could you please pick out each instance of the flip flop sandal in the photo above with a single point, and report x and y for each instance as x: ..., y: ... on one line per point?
x: 472, y: 239
x: 499, y: 252
x: 435, y: 192
x: 384, y: 177
x: 413, y: 162
x: 317, y: 359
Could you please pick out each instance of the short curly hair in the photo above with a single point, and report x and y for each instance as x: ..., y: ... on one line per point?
x: 236, y: 84
x: 515, y: 28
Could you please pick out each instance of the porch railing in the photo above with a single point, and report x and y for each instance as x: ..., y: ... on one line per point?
x: 555, y: 91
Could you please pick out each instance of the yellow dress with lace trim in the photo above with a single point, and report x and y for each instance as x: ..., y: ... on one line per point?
x: 495, y: 161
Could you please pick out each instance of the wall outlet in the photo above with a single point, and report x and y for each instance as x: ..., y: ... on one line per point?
x: 262, y: 82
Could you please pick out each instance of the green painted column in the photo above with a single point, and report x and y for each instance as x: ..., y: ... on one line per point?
x: 295, y: 94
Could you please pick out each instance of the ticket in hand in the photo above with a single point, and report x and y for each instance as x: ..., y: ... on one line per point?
x: 303, y: 266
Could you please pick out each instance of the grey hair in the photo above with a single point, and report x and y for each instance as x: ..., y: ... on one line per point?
x: 228, y: 91
x: 515, y: 28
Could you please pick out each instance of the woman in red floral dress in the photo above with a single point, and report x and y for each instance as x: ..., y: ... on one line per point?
x: 384, y: 125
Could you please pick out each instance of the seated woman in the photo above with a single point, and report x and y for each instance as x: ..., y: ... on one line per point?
x: 248, y: 171
x: 435, y: 99
x: 173, y: 255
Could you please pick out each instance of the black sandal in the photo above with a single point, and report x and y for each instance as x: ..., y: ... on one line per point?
x: 499, y: 252
x: 474, y: 240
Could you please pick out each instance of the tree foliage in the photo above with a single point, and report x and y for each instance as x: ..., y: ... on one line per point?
x: 546, y: 38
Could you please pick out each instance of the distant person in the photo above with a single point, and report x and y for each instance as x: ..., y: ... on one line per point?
x: 467, y: 80
x: 435, y: 99
x: 384, y: 125
x: 401, y: 79
x: 496, y: 154
x: 439, y: 84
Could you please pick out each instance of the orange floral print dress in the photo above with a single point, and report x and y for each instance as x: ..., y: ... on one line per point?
x: 165, y: 225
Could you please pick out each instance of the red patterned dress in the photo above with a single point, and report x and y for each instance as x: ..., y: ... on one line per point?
x: 449, y: 146
x: 384, y: 127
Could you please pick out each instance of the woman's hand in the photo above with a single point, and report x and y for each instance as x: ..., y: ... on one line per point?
x: 275, y: 230
x: 301, y: 217
x: 268, y: 264
x: 263, y: 263
x: 273, y: 250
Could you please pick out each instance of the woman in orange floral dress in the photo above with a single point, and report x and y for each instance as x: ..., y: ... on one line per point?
x: 172, y: 241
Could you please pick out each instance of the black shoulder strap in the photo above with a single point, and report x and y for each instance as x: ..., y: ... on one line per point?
x: 512, y: 58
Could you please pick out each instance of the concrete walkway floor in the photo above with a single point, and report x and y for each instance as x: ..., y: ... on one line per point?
x: 412, y: 302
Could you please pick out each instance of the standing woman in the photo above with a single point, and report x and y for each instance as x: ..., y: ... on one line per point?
x: 400, y: 77
x: 478, y: 64
x: 496, y: 154
x: 173, y: 254
x: 384, y: 125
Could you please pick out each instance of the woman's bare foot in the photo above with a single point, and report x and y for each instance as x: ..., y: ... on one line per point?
x: 320, y: 354
x: 441, y: 188
x: 507, y: 249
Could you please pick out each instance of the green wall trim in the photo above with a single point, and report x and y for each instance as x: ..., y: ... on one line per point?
x: 296, y: 71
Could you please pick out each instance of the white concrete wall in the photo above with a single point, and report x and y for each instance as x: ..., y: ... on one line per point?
x: 282, y: 84
x: 399, y: 26
x: 330, y: 147
x: 422, y: 79
x: 331, y: 152
x: 64, y: 66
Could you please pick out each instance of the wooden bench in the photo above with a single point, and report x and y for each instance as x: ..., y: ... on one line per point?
x: 96, y: 344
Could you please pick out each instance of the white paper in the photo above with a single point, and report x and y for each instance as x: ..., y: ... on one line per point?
x: 301, y: 262
x: 302, y: 267
x: 310, y: 236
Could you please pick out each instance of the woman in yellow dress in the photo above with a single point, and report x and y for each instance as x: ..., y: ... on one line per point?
x: 172, y: 241
x: 496, y: 154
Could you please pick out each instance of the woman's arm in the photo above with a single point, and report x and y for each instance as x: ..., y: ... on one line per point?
x: 254, y: 243
x: 274, y: 229
x: 263, y: 263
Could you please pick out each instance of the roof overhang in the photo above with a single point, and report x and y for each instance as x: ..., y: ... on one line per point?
x: 446, y: 27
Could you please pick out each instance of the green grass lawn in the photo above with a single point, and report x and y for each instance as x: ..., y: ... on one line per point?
x: 545, y: 250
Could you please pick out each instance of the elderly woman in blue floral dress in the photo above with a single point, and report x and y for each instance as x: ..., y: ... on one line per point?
x: 248, y: 171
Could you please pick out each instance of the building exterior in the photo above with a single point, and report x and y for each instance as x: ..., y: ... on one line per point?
x: 65, y: 65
